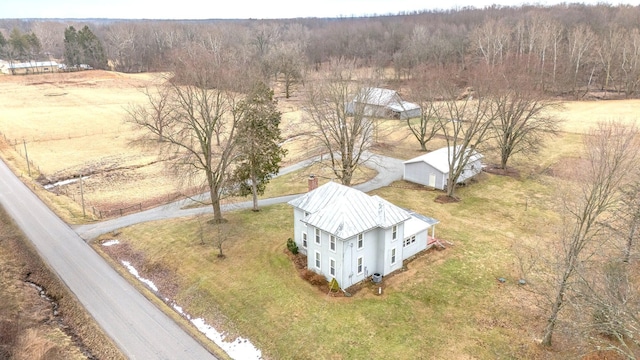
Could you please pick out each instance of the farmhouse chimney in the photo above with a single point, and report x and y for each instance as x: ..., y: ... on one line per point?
x: 313, y: 182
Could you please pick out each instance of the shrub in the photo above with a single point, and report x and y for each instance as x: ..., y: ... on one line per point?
x: 313, y: 278
x: 291, y: 245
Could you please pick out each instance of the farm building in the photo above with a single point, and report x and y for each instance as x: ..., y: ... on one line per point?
x: 383, y: 103
x: 32, y: 67
x: 350, y: 236
x: 432, y: 169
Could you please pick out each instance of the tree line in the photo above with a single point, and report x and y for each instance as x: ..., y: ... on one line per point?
x: 567, y: 49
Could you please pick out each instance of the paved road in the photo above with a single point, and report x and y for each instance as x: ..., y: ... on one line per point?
x: 137, y: 326
x: 389, y: 170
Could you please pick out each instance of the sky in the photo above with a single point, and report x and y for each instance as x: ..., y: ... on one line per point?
x: 243, y: 9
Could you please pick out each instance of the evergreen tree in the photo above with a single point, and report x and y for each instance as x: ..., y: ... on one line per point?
x: 258, y: 142
x: 72, y: 56
x: 83, y: 47
x: 92, y: 50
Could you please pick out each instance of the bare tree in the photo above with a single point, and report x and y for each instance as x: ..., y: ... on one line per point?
x: 610, y: 153
x: 427, y: 125
x: 465, y: 124
x: 581, y: 39
x: 522, y: 119
x: 609, y: 303
x: 157, y: 112
x: 628, y: 219
x: 199, y: 139
x: 341, y: 125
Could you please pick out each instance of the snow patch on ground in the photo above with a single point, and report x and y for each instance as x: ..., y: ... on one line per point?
x: 240, y: 348
x: 63, y: 182
x: 135, y: 273
x: 111, y: 242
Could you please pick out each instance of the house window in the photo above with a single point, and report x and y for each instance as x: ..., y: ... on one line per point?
x: 317, y: 258
x: 360, y: 265
x: 394, y: 233
x: 318, y: 236
x: 360, y: 241
x: 332, y: 267
x: 393, y: 256
x: 333, y: 243
x: 304, y: 240
x: 410, y: 240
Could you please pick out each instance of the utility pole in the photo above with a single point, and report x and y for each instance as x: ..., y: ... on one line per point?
x: 26, y: 156
x: 84, y: 214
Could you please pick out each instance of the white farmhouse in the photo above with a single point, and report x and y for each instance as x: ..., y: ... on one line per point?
x: 350, y: 236
x: 432, y: 169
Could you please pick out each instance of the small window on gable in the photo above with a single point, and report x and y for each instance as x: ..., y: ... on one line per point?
x: 333, y: 243
x: 360, y: 241
x: 304, y: 240
x: 394, y: 232
x: 318, y: 236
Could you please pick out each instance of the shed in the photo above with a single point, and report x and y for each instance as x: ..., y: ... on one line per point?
x: 432, y: 169
x: 32, y: 67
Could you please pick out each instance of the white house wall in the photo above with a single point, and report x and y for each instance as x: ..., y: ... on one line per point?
x: 414, y: 248
x: 298, y: 228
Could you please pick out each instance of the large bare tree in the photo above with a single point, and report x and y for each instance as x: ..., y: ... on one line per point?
x: 523, y: 118
x: 464, y: 122
x: 610, y: 154
x: 200, y: 138
x: 340, y: 124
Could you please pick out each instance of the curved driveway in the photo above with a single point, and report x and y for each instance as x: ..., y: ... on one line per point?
x: 137, y: 327
x: 389, y: 170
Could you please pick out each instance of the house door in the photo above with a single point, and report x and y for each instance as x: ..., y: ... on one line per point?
x: 432, y: 180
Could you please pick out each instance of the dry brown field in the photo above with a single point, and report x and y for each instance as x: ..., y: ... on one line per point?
x: 73, y: 124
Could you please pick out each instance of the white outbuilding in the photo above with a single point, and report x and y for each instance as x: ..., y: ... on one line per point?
x: 432, y: 169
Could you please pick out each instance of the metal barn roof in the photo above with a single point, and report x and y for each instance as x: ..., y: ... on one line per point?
x: 386, y: 98
x: 439, y: 159
x: 346, y: 212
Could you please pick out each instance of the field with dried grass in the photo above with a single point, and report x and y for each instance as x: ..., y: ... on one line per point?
x: 39, y: 317
x: 73, y: 124
x: 446, y: 304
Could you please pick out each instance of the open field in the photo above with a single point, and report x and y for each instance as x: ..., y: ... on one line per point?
x: 446, y: 305
x: 74, y: 124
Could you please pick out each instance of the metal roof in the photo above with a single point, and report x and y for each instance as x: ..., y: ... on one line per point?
x: 384, y: 97
x: 32, y: 64
x: 346, y: 212
x: 439, y: 159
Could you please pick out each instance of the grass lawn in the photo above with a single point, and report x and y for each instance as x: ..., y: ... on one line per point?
x: 447, y: 304
x: 444, y: 305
